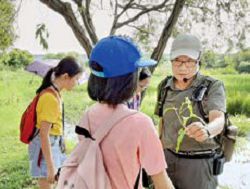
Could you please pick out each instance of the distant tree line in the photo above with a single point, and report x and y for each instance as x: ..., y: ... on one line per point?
x: 239, y: 61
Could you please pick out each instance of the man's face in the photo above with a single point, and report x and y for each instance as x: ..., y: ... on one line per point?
x: 184, y: 67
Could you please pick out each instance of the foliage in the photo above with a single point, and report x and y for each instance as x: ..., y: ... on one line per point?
x: 241, y: 56
x: 244, y: 67
x: 61, y: 55
x: 79, y: 57
x: 223, y: 23
x: 244, y: 55
x: 227, y: 63
x: 16, y: 58
x: 54, y: 56
x: 7, y: 18
x: 209, y: 59
x: 237, y: 92
x: 42, y: 34
x: 229, y: 70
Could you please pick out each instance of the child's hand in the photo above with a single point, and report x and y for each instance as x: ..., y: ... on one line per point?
x: 51, y: 174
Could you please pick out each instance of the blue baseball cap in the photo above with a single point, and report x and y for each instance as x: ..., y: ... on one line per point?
x: 118, y: 56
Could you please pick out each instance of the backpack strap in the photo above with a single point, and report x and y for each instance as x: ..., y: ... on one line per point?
x: 198, y: 96
x: 103, y: 131
x: 116, y: 117
x: 100, y: 134
x: 161, y: 97
x: 137, y: 181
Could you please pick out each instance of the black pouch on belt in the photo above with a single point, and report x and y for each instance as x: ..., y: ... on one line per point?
x: 218, y: 164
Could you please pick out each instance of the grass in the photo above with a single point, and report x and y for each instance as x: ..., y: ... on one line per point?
x: 17, y: 88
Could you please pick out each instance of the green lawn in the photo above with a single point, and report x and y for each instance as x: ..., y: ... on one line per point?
x: 17, y: 88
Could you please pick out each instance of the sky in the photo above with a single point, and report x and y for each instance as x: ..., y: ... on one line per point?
x: 61, y: 37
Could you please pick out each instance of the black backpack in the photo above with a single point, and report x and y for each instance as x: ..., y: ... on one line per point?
x: 227, y: 138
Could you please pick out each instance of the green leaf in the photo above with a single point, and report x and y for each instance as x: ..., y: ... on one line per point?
x: 169, y: 109
x: 181, y: 134
x: 42, y: 34
x: 185, y: 119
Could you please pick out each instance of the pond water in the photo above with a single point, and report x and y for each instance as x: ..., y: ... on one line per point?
x: 236, y: 174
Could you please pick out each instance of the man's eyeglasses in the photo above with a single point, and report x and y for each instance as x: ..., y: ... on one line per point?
x: 188, y: 64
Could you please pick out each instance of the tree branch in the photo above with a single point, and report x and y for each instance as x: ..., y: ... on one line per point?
x: 167, y: 30
x: 202, y: 8
x: 116, y: 8
x: 140, y: 29
x: 78, y: 2
x: 117, y: 16
x: 66, y: 11
x: 143, y: 7
x: 87, y: 20
x: 146, y: 10
x: 126, y: 7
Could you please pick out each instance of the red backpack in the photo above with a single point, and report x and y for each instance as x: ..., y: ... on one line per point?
x: 28, y: 121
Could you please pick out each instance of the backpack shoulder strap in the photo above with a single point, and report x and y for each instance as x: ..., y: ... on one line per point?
x: 200, y: 92
x: 117, y: 116
x: 161, y: 96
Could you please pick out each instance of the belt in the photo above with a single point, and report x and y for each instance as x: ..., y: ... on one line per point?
x: 195, y: 154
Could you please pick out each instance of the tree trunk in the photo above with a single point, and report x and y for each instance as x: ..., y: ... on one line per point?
x: 166, y: 32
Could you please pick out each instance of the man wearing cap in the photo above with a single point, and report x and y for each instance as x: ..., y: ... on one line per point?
x: 192, y: 166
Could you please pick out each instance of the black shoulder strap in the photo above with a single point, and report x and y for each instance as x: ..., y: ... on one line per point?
x: 162, y: 94
x: 136, y: 186
x: 199, y: 94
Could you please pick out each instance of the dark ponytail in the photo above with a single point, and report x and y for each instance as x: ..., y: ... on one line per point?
x: 67, y: 65
x: 46, y: 81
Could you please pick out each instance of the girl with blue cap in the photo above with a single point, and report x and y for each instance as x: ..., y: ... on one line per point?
x: 133, y: 142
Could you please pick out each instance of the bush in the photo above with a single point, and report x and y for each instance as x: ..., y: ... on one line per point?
x: 244, y: 67
x: 16, y: 58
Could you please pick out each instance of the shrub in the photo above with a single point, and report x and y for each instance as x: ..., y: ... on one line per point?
x: 244, y: 67
x: 16, y: 58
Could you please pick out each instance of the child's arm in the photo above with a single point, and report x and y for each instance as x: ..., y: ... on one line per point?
x: 46, y: 150
x: 162, y: 181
